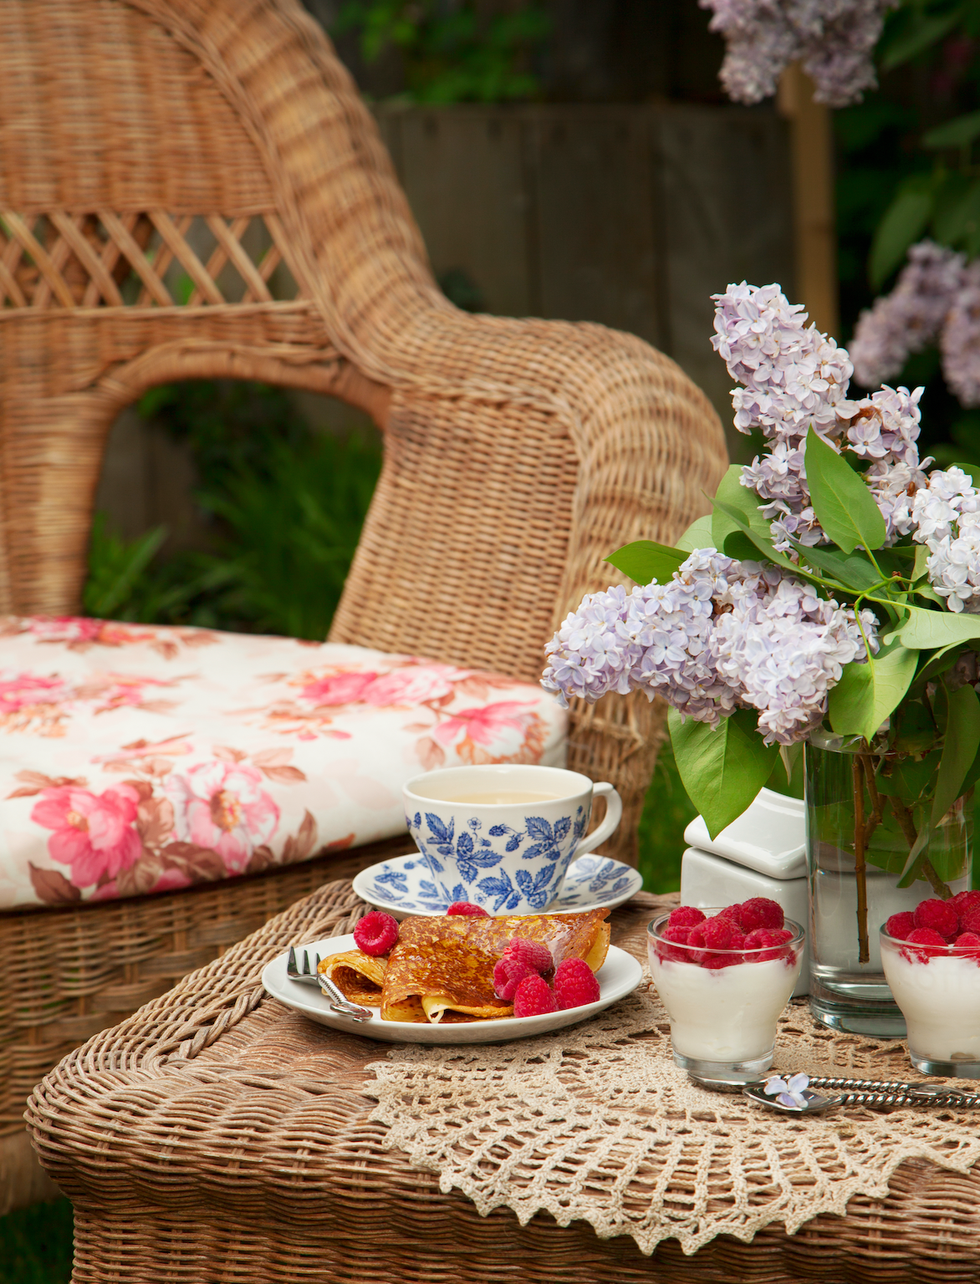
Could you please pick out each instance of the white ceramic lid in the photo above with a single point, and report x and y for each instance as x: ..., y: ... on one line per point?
x: 769, y: 837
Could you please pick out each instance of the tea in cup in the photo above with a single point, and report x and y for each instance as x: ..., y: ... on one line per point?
x: 502, y: 836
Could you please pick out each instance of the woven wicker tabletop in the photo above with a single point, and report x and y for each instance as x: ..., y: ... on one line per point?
x: 216, y: 1135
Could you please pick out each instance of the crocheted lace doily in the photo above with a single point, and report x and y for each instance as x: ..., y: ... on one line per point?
x: 596, y: 1122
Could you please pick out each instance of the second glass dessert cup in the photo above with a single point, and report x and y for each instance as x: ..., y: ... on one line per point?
x: 937, y: 988
x: 723, y: 1004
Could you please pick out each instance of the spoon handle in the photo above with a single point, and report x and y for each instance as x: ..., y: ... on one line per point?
x: 875, y: 1092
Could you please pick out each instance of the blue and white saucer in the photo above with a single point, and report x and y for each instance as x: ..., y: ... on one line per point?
x: 404, y: 885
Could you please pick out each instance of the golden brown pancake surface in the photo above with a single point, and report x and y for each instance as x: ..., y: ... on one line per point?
x: 445, y: 964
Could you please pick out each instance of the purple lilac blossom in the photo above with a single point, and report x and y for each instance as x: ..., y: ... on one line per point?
x: 946, y: 512
x: 720, y: 634
x: 795, y: 378
x: 834, y: 40
x: 910, y: 317
x: 960, y: 339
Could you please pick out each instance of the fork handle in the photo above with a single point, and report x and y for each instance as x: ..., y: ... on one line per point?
x: 340, y: 1002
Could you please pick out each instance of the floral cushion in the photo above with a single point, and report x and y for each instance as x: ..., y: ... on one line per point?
x: 138, y: 759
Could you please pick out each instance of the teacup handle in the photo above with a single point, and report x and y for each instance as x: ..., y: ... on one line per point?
x: 614, y: 814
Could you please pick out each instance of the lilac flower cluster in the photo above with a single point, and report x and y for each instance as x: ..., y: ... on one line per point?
x: 960, y: 339
x: 946, y: 512
x: 794, y: 377
x: 936, y: 299
x: 720, y: 634
x: 908, y: 319
x: 833, y: 39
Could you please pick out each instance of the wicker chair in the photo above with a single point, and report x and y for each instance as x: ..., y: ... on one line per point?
x: 518, y: 453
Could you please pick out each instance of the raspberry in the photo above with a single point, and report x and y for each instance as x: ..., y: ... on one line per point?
x: 696, y: 936
x: 719, y: 933
x: 731, y: 912
x: 766, y: 943
x: 376, y: 933
x: 938, y: 915
x: 899, y: 925
x: 536, y: 956
x: 534, y: 997
x: 761, y: 912
x: 677, y: 935
x: 929, y: 937
x: 575, y: 984
x: 507, y: 976
x: 963, y: 901
x: 970, y: 919
x: 467, y: 907
x: 967, y: 943
x: 685, y: 916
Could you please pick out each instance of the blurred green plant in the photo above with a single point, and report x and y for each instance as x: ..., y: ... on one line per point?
x: 36, y: 1244
x: 292, y: 532
x: 288, y: 506
x: 934, y: 40
x: 452, y: 53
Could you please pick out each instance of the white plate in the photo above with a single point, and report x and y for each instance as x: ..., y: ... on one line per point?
x: 619, y: 975
x: 404, y: 885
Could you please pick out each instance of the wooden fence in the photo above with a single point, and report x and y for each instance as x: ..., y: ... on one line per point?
x: 631, y: 216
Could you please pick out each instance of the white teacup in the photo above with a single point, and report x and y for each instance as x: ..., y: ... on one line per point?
x: 503, y: 835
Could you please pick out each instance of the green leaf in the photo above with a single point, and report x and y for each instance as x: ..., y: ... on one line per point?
x: 902, y: 225
x: 645, y: 560
x: 959, y: 749
x: 919, y: 568
x: 954, y: 133
x: 853, y: 571
x: 763, y: 544
x: 698, y: 535
x: 928, y: 630
x: 731, y: 498
x: 957, y: 216
x: 721, y: 769
x: 914, y: 39
x: 843, y: 505
x: 869, y: 692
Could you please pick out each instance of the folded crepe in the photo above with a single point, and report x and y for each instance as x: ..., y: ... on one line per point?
x: 441, y: 969
x: 358, y: 975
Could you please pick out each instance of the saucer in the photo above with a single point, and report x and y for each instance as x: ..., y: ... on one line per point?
x: 404, y: 885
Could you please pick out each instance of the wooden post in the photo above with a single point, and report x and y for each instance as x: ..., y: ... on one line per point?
x: 814, y: 217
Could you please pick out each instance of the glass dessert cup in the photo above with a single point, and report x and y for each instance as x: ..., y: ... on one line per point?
x: 937, y: 988
x: 723, y: 1004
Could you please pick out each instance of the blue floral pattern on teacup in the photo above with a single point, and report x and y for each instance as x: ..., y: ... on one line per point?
x: 486, y: 868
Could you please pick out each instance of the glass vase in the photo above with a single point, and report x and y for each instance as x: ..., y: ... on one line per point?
x: 860, y: 835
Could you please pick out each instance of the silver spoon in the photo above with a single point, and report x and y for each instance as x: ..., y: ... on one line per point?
x: 821, y: 1092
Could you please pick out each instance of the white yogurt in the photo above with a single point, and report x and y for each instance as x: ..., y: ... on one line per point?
x: 728, y: 1014
x: 940, y: 1000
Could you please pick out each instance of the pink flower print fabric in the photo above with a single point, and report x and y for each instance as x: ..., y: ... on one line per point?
x: 93, y: 833
x: 223, y: 807
x: 137, y: 759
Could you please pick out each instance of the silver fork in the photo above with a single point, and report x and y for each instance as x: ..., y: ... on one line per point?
x: 331, y: 992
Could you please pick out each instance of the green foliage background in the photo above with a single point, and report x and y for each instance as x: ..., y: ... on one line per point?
x: 908, y: 167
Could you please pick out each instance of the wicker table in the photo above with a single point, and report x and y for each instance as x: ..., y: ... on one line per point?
x: 216, y: 1135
